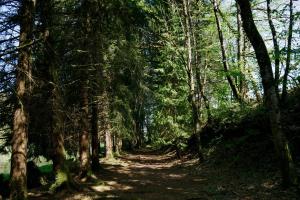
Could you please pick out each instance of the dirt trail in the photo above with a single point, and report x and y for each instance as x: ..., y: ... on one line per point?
x: 151, y: 176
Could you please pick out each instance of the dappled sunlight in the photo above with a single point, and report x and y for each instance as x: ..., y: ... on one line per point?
x: 149, y: 174
x: 110, y: 185
x: 134, y: 177
x: 164, y: 176
x: 268, y: 184
x: 199, y: 179
x: 80, y: 197
x: 149, y: 99
x: 176, y: 175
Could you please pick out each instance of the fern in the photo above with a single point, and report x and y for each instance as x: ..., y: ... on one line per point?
x: 60, y: 178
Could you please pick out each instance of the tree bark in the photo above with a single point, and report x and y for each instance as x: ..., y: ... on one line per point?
x: 241, y: 44
x: 271, y: 99
x: 276, y: 47
x: 84, y: 143
x: 18, y: 182
x: 108, y: 143
x: 200, y: 82
x: 52, y: 96
x: 224, y: 55
x: 95, y: 137
x: 139, y: 122
x: 288, y: 55
x: 84, y: 140
x: 204, y: 97
x: 189, y: 69
x: 105, y: 125
x: 118, y: 145
x: 94, y: 44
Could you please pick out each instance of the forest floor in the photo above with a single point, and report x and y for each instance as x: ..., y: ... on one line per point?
x: 154, y: 176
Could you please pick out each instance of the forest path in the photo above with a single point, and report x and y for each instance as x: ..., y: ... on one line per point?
x: 148, y: 175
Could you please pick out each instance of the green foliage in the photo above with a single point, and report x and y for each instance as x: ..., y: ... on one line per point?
x: 5, y: 177
x: 46, y: 169
x: 231, y: 116
x: 61, y: 178
x: 136, y: 51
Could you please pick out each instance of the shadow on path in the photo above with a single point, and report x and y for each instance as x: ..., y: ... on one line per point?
x: 152, y: 176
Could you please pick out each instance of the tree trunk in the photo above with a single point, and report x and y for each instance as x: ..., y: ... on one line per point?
x: 202, y: 94
x: 271, y: 99
x: 139, y: 121
x: 288, y: 55
x: 59, y: 154
x: 244, y: 87
x: 240, y: 55
x: 105, y: 120
x: 200, y: 82
x: 95, y: 137
x: 189, y: 68
x: 276, y: 47
x: 118, y: 145
x: 224, y: 56
x: 84, y: 140
x: 108, y: 143
x: 84, y: 143
x: 18, y: 182
x: 53, y: 101
x: 58, y: 148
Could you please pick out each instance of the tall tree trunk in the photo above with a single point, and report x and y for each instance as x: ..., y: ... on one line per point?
x: 108, y: 142
x: 276, y: 47
x: 105, y: 119
x: 243, y: 84
x: 189, y: 68
x: 240, y: 55
x: 59, y: 154
x: 238, y: 39
x: 18, y: 182
x: 95, y: 137
x: 139, y: 120
x: 271, y: 99
x: 207, y: 104
x: 118, y: 145
x: 52, y: 97
x: 94, y: 41
x: 288, y: 55
x: 203, y: 96
x: 200, y: 83
x: 84, y: 141
x: 224, y: 56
